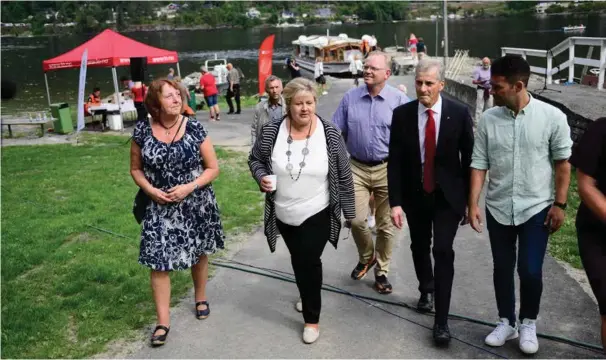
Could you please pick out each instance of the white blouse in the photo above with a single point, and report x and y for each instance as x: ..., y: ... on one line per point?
x: 296, y: 201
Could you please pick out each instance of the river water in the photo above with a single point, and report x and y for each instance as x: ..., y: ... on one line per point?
x: 22, y: 57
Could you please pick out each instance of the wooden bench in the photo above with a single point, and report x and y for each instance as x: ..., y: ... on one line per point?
x: 16, y: 121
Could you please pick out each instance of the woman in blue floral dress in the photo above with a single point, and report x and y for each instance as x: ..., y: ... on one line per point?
x: 174, y: 162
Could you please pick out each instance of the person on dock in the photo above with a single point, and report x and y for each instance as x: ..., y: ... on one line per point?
x: 428, y: 178
x: 233, y: 78
x: 269, y: 110
x: 525, y: 143
x: 293, y: 67
x: 301, y: 163
x: 481, y: 78
x: 364, y: 118
x: 208, y: 85
x: 173, y: 161
x: 319, y: 74
x: 421, y: 48
x: 589, y: 158
x: 412, y: 46
x: 356, y: 67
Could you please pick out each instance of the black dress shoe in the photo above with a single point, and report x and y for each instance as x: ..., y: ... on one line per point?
x: 441, y: 335
x: 425, y: 303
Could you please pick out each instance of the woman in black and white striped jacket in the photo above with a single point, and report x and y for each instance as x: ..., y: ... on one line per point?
x: 302, y: 165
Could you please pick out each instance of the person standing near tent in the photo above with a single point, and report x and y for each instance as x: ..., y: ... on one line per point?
x: 171, y: 74
x: 139, y: 91
x: 208, y: 85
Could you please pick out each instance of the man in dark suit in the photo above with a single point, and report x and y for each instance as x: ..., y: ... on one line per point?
x: 428, y: 179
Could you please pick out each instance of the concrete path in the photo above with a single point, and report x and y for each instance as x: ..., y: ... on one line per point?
x: 253, y: 316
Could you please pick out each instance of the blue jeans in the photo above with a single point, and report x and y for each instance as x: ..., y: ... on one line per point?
x: 533, y: 236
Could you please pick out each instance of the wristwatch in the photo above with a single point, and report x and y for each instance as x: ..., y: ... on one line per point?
x: 560, y: 205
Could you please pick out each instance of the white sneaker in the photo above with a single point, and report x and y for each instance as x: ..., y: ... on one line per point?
x: 299, y: 306
x: 529, y: 344
x: 372, y: 222
x: 310, y: 334
x: 501, y: 333
x: 324, y: 92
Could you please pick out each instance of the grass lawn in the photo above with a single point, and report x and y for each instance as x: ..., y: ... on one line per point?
x: 563, y: 244
x: 68, y: 289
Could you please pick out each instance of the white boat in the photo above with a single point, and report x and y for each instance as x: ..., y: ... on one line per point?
x: 217, y: 67
x: 576, y: 28
x: 287, y: 25
x: 336, y: 52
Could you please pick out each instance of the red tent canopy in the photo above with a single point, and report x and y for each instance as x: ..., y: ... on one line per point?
x: 110, y: 49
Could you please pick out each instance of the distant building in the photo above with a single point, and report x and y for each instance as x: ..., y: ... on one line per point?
x: 287, y: 15
x: 253, y: 13
x: 324, y: 13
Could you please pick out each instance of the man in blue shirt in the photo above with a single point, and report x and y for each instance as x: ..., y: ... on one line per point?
x: 364, y: 117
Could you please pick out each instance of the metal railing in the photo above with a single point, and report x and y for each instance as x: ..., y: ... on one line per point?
x: 454, y: 67
x: 568, y: 44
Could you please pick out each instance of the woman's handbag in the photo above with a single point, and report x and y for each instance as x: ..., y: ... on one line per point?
x: 142, y: 199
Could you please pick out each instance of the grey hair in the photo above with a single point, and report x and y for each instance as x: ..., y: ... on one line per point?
x: 203, y: 69
x: 426, y: 65
x: 270, y: 79
x: 386, y: 56
x: 297, y: 86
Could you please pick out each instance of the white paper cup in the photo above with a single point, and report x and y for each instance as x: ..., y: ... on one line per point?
x: 273, y: 179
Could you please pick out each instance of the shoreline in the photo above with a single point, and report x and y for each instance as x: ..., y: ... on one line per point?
x: 171, y: 27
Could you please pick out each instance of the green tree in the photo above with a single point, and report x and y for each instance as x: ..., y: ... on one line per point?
x: 291, y: 20
x: 272, y: 19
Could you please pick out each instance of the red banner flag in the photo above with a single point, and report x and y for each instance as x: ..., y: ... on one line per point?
x: 266, y: 52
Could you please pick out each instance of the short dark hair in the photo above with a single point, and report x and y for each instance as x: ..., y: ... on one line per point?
x: 95, y: 89
x: 124, y: 78
x: 513, y: 68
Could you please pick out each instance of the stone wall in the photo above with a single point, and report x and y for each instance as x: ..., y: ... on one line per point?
x: 466, y: 93
x: 576, y: 121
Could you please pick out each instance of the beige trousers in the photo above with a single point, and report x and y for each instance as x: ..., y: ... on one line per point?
x: 366, y: 180
x: 481, y: 106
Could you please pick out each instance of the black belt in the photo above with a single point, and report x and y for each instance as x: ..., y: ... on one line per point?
x: 370, y: 163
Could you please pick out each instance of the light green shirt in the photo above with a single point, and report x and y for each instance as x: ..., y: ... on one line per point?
x: 519, y: 152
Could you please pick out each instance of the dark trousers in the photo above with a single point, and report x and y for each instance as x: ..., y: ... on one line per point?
x: 434, y: 213
x: 592, y: 249
x: 233, y: 94
x: 306, y: 243
x: 141, y: 111
x: 533, y: 236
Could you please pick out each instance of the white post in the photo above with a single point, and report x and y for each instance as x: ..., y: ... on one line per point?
x: 570, y: 61
x: 503, y: 52
x: 445, y: 35
x: 115, y: 75
x: 178, y: 70
x: 524, y: 55
x: 47, y: 91
x: 602, y: 68
x: 549, y: 66
x: 437, y: 39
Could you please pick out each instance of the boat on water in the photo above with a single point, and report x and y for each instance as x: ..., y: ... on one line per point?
x: 217, y: 67
x: 336, y: 52
x: 574, y: 28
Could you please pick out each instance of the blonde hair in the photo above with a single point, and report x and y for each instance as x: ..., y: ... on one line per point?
x: 296, y: 86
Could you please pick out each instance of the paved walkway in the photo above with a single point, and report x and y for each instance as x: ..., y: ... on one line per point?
x: 253, y: 316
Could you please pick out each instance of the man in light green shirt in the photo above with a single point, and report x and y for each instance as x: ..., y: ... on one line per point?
x: 520, y: 142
